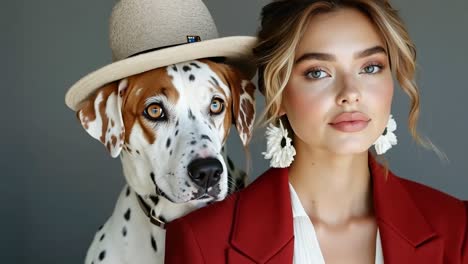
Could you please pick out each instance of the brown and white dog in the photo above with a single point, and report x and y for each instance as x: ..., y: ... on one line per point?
x: 168, y: 126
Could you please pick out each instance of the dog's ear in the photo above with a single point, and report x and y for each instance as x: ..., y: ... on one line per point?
x: 243, y: 104
x: 101, y: 116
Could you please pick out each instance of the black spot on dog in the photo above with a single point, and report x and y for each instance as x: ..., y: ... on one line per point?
x: 195, y: 65
x: 170, y: 153
x: 138, y: 152
x: 186, y: 68
x: 127, y: 193
x: 168, y: 142
x: 192, y: 77
x: 193, y: 142
x: 102, y: 255
x: 102, y: 237
x: 99, y: 229
x: 190, y: 115
x: 192, y: 151
x: 205, y: 146
x: 124, y: 231
x: 215, y: 81
x: 152, y: 177
x: 174, y: 68
x: 155, y: 199
x: 206, y: 137
x: 176, y: 133
x: 127, y: 214
x: 177, y: 123
x: 187, y: 184
x: 231, y: 165
x: 153, y: 244
x: 222, y: 149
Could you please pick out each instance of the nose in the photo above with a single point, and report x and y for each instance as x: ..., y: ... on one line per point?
x: 205, y: 172
x: 349, y: 94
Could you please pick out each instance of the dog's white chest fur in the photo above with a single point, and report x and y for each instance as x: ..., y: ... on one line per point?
x: 127, y: 236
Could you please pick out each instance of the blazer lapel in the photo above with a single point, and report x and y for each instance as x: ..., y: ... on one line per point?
x: 263, y: 224
x: 406, y: 236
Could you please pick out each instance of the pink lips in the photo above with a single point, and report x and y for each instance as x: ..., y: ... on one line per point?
x: 350, y: 122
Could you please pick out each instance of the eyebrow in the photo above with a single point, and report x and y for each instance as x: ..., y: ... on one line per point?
x: 330, y: 57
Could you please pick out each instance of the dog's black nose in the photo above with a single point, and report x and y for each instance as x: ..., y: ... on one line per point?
x: 205, y: 172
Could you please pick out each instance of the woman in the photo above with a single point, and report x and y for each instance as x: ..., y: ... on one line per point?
x: 326, y: 69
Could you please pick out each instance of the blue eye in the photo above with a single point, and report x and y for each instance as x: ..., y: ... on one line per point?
x: 217, y: 106
x: 371, y: 69
x: 316, y: 74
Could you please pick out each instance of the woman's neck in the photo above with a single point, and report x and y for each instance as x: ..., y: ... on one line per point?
x: 334, y: 189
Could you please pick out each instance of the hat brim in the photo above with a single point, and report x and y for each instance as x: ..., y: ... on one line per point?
x: 237, y: 50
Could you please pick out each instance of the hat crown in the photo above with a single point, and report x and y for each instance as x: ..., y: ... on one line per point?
x: 140, y: 25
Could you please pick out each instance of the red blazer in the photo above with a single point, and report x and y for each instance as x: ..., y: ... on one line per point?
x: 417, y: 224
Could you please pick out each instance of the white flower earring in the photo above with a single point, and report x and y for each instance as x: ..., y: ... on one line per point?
x: 388, y: 138
x: 280, y: 151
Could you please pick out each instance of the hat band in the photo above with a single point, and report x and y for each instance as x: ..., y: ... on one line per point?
x: 190, y: 39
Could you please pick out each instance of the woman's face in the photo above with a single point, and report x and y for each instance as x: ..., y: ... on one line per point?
x: 341, y: 73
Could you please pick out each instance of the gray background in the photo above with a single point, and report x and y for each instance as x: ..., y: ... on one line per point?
x: 59, y: 184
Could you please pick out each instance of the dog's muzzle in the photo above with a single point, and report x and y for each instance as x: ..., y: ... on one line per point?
x: 206, y: 172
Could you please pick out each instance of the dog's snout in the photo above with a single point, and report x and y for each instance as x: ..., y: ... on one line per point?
x: 205, y: 172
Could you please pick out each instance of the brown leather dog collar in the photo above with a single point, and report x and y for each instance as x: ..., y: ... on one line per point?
x: 149, y: 212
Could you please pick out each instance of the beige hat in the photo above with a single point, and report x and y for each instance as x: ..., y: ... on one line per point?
x: 148, y: 34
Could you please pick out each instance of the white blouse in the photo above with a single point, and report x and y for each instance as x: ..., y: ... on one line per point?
x: 306, y: 246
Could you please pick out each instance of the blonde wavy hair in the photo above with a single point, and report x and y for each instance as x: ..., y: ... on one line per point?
x: 283, y: 23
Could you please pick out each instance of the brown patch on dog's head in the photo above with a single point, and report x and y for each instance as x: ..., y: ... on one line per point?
x: 146, y: 85
x: 241, y: 104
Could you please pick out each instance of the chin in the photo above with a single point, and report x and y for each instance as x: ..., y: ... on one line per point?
x: 351, y: 148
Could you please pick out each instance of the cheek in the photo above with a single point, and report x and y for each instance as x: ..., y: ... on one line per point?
x: 305, y: 108
x: 379, y: 98
x: 382, y: 96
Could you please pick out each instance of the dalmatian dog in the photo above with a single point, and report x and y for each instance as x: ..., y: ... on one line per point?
x: 168, y: 126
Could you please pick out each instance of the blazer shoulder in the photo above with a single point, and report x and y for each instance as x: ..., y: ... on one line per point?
x: 431, y: 198
x: 445, y: 213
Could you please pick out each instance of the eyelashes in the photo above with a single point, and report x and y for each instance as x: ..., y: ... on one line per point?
x: 372, y: 68
x: 317, y: 73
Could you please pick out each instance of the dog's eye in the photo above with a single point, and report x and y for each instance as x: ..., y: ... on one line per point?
x: 154, y: 112
x: 217, y: 106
